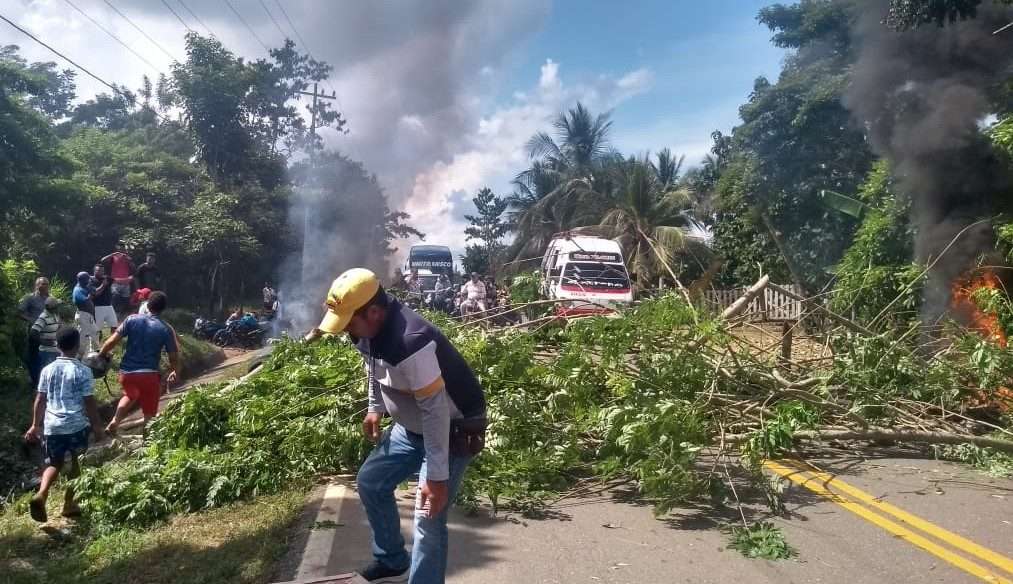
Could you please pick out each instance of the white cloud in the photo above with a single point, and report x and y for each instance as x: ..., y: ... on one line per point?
x: 636, y: 82
x: 494, y: 149
x: 549, y: 79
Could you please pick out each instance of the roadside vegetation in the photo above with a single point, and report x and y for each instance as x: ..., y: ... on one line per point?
x: 237, y: 544
x: 662, y: 400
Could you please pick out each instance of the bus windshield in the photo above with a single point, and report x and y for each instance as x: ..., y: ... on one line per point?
x: 435, y: 259
x: 596, y: 276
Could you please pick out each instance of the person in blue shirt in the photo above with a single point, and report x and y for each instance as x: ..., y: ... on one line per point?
x: 84, y: 300
x: 64, y: 414
x: 140, y: 369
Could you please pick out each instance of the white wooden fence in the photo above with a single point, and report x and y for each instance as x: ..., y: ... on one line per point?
x: 768, y: 306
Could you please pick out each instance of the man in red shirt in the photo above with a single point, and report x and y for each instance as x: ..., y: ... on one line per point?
x: 121, y: 270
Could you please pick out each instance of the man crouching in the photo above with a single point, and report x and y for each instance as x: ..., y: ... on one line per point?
x: 423, y: 383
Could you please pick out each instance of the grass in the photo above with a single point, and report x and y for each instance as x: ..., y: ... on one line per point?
x: 237, y: 544
x: 16, y: 407
x: 761, y: 540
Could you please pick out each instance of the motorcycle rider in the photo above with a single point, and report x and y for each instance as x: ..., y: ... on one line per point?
x: 443, y: 291
x: 475, y: 294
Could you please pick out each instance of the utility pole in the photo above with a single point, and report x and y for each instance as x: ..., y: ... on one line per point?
x: 311, y: 191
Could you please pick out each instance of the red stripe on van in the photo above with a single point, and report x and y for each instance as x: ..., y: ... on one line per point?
x: 594, y: 290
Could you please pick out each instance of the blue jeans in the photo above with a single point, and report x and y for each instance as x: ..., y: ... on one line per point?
x: 395, y: 458
x: 44, y: 358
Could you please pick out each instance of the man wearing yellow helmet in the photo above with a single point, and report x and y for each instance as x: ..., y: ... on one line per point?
x: 422, y: 382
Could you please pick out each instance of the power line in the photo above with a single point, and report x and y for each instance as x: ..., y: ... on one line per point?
x: 78, y: 66
x: 114, y: 37
x: 174, y: 13
x: 197, y: 18
x: 295, y: 30
x: 307, y: 48
x: 140, y: 30
x: 248, y: 27
x: 271, y: 16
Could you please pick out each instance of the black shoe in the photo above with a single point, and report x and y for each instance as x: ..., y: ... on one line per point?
x: 377, y: 573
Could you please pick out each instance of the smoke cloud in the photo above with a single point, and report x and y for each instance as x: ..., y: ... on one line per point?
x: 921, y: 95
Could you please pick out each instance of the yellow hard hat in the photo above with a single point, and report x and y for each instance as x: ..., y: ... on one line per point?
x: 349, y: 292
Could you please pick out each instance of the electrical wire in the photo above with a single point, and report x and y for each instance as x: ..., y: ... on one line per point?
x: 306, y: 47
x: 271, y: 16
x: 113, y: 36
x: 140, y: 30
x: 174, y: 13
x: 76, y: 65
x: 197, y: 18
x: 295, y: 30
x: 247, y: 25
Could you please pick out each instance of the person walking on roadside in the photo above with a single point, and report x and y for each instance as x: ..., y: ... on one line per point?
x: 148, y: 274
x: 64, y: 414
x: 84, y: 300
x: 422, y: 382
x: 105, y: 315
x: 29, y: 309
x: 147, y: 336
x: 43, y: 334
x: 121, y: 270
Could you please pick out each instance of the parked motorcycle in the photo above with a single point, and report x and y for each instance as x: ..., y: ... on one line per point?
x: 205, y: 329
x: 245, y: 332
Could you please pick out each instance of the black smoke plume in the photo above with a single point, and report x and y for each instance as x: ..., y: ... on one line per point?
x: 922, y: 96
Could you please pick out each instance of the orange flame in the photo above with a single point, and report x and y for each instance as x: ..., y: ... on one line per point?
x: 976, y: 319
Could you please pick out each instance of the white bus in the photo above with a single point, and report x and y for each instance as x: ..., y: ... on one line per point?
x: 588, y: 271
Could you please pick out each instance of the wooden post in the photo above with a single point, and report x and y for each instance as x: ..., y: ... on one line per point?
x: 787, y: 330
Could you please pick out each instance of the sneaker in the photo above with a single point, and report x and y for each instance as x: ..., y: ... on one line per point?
x: 37, y: 508
x: 377, y: 573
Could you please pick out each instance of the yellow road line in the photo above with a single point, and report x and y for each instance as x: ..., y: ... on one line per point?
x: 996, y: 559
x: 896, y: 529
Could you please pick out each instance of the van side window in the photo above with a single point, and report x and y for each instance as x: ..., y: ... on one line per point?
x: 554, y: 267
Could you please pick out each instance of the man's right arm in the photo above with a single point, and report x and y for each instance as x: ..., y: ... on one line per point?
x: 38, y: 409
x: 111, y: 342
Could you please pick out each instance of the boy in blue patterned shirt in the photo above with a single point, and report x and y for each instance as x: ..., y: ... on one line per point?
x: 65, y: 412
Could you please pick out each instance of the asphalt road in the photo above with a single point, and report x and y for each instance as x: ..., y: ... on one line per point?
x: 869, y: 518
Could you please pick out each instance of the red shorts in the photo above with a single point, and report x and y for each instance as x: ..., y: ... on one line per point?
x: 145, y: 388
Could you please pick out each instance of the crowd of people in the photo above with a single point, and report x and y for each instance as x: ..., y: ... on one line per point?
x: 114, y: 289
x: 64, y: 360
x: 476, y: 295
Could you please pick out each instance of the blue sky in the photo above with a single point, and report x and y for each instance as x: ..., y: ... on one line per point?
x: 704, y: 57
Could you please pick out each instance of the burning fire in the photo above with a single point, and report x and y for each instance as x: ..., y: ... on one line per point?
x: 976, y: 319
x: 984, y: 323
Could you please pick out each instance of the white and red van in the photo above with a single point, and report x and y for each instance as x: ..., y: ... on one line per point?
x: 587, y: 271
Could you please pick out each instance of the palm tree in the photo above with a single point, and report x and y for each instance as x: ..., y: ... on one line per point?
x: 649, y: 219
x: 581, y: 139
x: 668, y: 168
x: 563, y: 166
